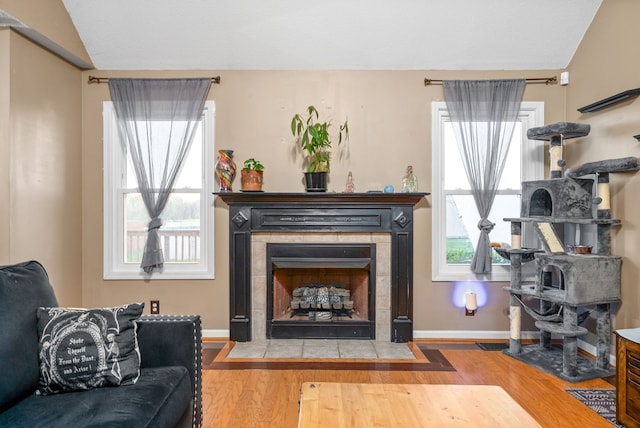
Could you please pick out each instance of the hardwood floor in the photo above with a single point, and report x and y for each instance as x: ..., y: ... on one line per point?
x: 250, y: 397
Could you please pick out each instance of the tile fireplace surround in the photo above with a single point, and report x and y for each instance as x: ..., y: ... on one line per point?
x: 384, y: 219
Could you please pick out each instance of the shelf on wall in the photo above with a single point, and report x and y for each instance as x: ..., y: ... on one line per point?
x: 599, y: 105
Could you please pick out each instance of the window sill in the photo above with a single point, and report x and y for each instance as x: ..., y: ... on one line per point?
x: 500, y: 273
x: 140, y: 275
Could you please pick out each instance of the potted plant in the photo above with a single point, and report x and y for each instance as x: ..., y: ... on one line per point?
x: 251, y: 175
x: 314, y: 139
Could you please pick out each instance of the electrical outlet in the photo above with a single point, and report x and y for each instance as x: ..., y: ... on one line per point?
x: 155, y: 306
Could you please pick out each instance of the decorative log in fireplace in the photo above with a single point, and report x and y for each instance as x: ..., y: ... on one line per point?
x: 321, y: 213
x: 313, y: 298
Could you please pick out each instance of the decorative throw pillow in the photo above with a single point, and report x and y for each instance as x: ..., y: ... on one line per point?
x: 88, y: 348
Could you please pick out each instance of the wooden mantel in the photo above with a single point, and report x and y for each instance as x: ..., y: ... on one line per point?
x: 311, y: 197
x: 321, y: 212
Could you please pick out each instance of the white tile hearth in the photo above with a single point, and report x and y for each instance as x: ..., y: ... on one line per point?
x: 321, y: 348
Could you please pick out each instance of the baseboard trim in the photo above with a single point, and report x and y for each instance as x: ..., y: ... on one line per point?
x: 418, y: 334
x: 215, y: 334
x: 591, y: 350
x: 471, y: 334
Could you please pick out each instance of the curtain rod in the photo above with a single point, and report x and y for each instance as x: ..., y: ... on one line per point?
x: 534, y: 80
x: 93, y: 79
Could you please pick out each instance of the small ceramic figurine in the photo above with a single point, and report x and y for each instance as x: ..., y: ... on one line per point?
x: 350, y: 186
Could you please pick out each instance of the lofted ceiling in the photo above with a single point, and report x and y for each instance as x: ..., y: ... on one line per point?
x: 331, y: 34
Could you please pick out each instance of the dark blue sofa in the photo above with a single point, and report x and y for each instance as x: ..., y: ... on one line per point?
x: 168, y: 392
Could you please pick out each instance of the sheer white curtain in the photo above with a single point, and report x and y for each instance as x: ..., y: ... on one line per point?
x: 157, y: 119
x: 483, y: 114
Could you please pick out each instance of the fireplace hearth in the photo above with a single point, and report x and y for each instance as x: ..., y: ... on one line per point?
x: 382, y: 222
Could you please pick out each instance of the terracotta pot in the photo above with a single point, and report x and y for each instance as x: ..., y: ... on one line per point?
x: 251, y: 180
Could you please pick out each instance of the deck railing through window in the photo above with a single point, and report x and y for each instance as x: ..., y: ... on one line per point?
x: 178, y: 246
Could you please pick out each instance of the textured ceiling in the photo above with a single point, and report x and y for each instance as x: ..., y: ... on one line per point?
x: 331, y: 34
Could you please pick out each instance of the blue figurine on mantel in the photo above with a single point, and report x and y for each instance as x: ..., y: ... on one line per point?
x: 388, y: 188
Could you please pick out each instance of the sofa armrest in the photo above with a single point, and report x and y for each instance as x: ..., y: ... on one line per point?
x: 174, y: 340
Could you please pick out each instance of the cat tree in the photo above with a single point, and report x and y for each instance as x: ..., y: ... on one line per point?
x: 570, y: 276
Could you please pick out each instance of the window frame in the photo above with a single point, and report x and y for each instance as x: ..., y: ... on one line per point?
x: 532, y: 168
x: 115, y: 164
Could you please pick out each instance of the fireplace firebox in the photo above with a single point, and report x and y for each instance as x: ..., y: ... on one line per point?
x: 325, y: 217
x: 320, y: 291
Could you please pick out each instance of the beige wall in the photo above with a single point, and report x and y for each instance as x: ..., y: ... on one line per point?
x: 606, y: 63
x: 389, y: 117
x: 41, y: 215
x: 48, y: 205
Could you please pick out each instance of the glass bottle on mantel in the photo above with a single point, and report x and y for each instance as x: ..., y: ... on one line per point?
x: 410, y: 181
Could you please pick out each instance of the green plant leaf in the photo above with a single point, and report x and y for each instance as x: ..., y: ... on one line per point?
x: 251, y: 163
x: 314, y: 138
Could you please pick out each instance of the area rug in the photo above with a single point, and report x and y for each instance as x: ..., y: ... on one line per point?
x: 601, y: 401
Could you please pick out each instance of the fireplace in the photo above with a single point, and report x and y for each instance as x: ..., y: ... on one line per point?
x: 379, y: 224
x: 320, y: 290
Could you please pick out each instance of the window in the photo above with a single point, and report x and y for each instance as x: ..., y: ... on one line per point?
x: 455, y: 217
x: 187, y: 232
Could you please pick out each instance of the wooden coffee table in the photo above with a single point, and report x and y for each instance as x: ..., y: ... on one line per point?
x: 350, y: 405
